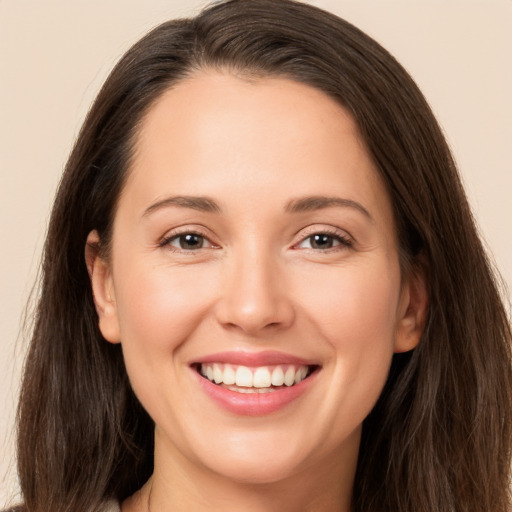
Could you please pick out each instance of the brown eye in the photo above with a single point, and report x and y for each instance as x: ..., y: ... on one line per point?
x: 324, y: 241
x: 188, y: 242
x: 321, y: 241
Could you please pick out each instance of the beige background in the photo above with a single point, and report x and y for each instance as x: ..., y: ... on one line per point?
x: 54, y: 56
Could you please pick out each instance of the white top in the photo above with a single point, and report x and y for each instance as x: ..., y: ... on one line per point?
x: 112, y: 506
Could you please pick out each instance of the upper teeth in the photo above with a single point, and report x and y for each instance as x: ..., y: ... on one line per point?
x: 259, y: 377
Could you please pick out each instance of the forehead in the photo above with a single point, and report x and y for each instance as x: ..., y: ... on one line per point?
x: 216, y: 134
x: 238, y: 112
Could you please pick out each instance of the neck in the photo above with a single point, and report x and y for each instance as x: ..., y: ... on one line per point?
x: 178, y: 485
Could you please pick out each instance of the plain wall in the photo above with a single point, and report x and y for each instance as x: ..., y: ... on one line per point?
x: 54, y: 56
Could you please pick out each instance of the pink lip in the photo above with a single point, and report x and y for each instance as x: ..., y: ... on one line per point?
x: 254, y: 404
x: 252, y: 359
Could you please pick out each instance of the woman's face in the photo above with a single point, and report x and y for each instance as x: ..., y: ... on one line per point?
x: 254, y: 280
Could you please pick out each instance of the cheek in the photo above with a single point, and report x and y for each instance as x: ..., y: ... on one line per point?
x: 355, y: 310
x: 159, y: 307
x: 358, y: 302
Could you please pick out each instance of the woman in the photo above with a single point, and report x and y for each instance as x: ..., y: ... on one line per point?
x: 255, y: 287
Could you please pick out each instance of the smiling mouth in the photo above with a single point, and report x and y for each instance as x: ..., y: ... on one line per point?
x: 261, y: 379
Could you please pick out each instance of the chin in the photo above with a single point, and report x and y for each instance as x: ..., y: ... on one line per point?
x: 256, y: 472
x: 263, y: 457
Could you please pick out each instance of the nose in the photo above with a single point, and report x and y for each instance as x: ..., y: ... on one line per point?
x: 254, y: 297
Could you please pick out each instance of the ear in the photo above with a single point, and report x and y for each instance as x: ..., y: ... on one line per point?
x: 413, y: 310
x: 102, y: 286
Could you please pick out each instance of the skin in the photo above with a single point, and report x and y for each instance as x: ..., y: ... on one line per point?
x: 256, y: 283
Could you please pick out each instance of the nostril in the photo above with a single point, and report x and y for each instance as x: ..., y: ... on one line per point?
x: 252, y: 305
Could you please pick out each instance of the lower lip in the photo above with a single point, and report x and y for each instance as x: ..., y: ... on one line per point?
x: 254, y: 404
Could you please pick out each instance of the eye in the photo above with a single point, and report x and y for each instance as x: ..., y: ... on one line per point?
x: 324, y: 241
x: 188, y: 242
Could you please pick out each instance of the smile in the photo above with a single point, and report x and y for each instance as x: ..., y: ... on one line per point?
x: 262, y: 379
x: 253, y: 384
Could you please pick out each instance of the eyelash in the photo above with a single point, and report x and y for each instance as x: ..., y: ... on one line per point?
x: 166, y: 241
x: 344, y: 240
x: 339, y: 236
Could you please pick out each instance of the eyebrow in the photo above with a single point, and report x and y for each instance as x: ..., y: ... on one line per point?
x: 302, y: 204
x: 310, y: 203
x: 203, y: 204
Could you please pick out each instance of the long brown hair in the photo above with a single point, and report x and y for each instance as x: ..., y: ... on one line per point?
x: 439, y: 438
